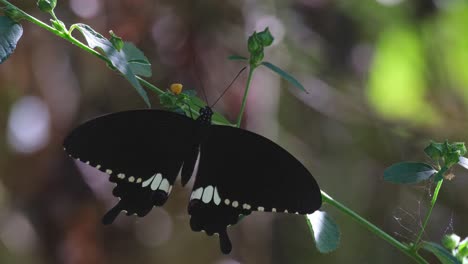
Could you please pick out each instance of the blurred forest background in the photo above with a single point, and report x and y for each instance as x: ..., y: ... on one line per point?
x: 384, y: 77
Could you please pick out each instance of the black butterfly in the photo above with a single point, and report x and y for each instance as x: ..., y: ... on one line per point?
x: 143, y: 151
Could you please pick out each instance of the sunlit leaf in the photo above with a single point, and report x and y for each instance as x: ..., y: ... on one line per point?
x: 284, y: 74
x: 138, y: 62
x: 116, y: 41
x: 462, y: 250
x: 450, y: 241
x: 10, y: 34
x: 408, y: 172
x: 118, y: 58
x: 440, y: 252
x: 326, y: 231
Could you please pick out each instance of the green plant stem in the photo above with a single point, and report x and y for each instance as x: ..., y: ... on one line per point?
x: 429, y: 212
x: 244, y: 99
x: 374, y: 229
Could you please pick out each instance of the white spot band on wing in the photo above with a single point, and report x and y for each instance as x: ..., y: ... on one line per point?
x: 156, y: 182
x: 216, y: 198
x: 164, y: 185
x: 207, y: 194
x: 147, y: 182
x: 197, y: 194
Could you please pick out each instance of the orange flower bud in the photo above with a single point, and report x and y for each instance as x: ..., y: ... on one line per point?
x: 176, y: 88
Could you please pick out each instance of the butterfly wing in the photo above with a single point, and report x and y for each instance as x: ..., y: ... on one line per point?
x: 240, y: 172
x: 141, y: 150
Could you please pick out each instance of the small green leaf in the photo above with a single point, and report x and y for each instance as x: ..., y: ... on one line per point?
x: 451, y: 241
x: 118, y: 58
x: 168, y: 100
x: 253, y: 44
x: 326, y: 231
x: 10, y: 34
x: 434, y: 150
x: 458, y: 147
x: 284, y: 74
x: 237, y: 57
x: 408, y: 172
x: 138, y: 62
x: 59, y: 25
x: 265, y: 37
x: 116, y: 41
x: 441, y: 253
x: 462, y: 250
x: 46, y: 5
x: 452, y: 158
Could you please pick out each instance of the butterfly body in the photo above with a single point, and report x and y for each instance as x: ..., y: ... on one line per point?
x: 143, y: 151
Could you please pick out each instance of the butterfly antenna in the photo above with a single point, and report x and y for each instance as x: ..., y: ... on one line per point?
x: 229, y: 86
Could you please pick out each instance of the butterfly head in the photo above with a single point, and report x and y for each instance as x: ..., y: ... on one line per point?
x: 205, y: 115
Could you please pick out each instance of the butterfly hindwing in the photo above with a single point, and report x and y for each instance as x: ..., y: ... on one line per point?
x: 142, y: 151
x: 240, y: 172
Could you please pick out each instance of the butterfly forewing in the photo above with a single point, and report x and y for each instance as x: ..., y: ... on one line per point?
x: 142, y: 150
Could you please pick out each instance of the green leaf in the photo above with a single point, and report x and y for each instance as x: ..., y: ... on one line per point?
x: 167, y: 100
x: 237, y: 57
x: 253, y: 44
x: 265, y: 37
x: 116, y: 41
x: 284, y: 74
x: 10, y: 34
x: 118, y: 58
x: 326, y: 231
x: 451, y: 241
x: 408, y: 172
x: 59, y: 25
x: 463, y: 248
x: 441, y: 253
x: 138, y: 62
x: 46, y: 5
x: 452, y: 158
x: 434, y: 150
x: 457, y: 147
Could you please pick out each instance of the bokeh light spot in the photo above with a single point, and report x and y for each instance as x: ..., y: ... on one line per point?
x: 85, y: 8
x: 28, y: 125
x: 18, y: 234
x: 397, y: 86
